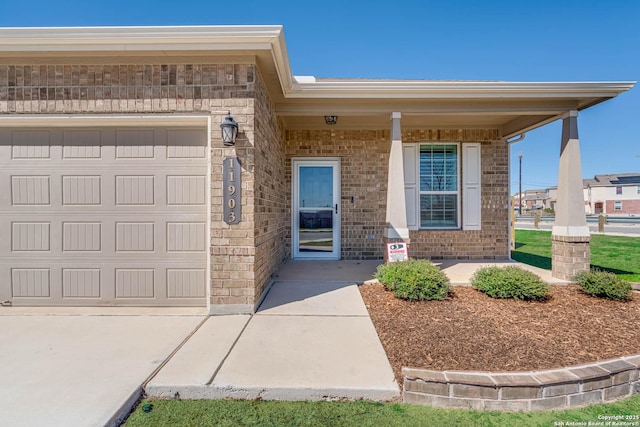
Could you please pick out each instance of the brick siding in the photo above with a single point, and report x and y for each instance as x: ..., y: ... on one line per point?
x: 364, y: 167
x: 629, y: 207
x: 271, y: 219
x: 364, y: 157
x: 165, y: 88
x: 245, y: 255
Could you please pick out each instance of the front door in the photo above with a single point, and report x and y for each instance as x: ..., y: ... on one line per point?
x: 316, y: 209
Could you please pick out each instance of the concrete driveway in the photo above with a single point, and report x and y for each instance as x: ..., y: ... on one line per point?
x: 82, y: 369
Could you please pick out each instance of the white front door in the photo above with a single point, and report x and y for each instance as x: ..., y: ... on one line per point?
x: 316, y: 209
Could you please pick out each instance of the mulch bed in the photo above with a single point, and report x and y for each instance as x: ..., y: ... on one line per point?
x: 471, y: 331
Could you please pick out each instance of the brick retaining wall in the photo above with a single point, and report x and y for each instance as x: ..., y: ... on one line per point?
x: 524, y: 391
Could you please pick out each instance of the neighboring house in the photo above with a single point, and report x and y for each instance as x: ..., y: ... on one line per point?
x: 535, y: 199
x: 118, y: 189
x: 614, y: 194
x: 552, y: 197
x: 531, y: 199
x: 610, y: 194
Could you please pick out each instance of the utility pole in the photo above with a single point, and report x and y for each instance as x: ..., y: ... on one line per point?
x: 520, y: 187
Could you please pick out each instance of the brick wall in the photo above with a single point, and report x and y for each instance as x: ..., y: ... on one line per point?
x: 628, y: 207
x: 364, y: 163
x: 492, y: 241
x: 364, y: 167
x: 271, y: 218
x: 100, y: 88
x: 165, y: 88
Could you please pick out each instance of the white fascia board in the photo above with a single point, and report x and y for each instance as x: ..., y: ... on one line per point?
x: 453, y: 90
x: 125, y: 38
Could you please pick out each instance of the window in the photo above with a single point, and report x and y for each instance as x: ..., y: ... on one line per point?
x: 618, y: 190
x: 638, y: 189
x: 442, y: 185
x: 439, y: 189
x: 617, y: 206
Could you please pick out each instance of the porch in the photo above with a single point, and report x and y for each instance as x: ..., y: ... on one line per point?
x: 362, y: 271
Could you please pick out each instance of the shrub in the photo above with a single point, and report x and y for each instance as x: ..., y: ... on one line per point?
x: 414, y: 279
x: 510, y: 282
x: 604, y: 284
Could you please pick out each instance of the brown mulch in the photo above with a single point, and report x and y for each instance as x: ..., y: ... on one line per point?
x: 471, y: 331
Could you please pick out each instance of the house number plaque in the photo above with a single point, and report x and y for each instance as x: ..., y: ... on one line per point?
x: 231, y: 190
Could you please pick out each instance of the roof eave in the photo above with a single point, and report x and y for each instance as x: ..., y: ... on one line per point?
x: 460, y: 89
x: 271, y: 39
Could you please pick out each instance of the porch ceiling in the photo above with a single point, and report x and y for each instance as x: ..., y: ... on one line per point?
x: 512, y: 108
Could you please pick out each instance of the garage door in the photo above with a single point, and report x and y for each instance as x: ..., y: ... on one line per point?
x: 103, y: 217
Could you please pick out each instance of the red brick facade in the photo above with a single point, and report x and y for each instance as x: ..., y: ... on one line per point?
x: 629, y: 207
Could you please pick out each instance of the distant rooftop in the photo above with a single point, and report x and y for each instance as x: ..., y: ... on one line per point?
x: 614, y: 179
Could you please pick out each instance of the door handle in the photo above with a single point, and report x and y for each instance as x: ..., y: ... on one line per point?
x: 336, y: 208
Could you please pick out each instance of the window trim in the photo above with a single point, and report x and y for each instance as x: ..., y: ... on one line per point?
x: 617, y: 205
x: 458, y: 192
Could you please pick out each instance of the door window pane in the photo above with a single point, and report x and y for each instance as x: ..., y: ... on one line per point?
x: 316, y: 187
x: 316, y: 231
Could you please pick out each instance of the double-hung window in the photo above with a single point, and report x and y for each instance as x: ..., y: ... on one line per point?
x: 442, y: 185
x: 439, y: 186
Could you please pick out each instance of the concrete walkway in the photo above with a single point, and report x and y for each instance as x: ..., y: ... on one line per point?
x: 81, y: 367
x: 311, y: 339
x: 460, y: 272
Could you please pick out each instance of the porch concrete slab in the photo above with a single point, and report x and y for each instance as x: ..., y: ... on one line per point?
x: 81, y: 370
x: 460, y: 272
x: 197, y: 361
x: 307, y: 358
x: 328, y: 271
x: 314, y: 298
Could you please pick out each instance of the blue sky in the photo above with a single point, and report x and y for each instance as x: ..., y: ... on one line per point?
x: 568, y: 40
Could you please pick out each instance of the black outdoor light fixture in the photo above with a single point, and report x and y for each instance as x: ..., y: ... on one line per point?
x: 331, y: 120
x: 229, y: 130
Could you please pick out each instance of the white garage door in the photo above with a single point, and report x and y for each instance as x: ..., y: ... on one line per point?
x: 103, y: 217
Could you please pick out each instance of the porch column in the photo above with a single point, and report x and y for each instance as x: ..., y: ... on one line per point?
x: 570, y: 236
x: 396, y: 229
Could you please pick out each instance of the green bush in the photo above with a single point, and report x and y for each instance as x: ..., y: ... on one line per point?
x: 604, y: 284
x: 510, y: 282
x: 414, y: 279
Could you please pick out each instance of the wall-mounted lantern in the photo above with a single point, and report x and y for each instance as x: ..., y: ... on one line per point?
x: 229, y: 130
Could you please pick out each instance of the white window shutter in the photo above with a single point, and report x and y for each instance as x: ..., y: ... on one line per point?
x: 471, y: 189
x: 411, y: 184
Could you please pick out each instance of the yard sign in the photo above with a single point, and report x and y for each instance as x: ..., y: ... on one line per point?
x: 397, y: 252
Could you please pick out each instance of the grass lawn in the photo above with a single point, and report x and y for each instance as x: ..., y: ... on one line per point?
x: 262, y: 413
x: 618, y: 254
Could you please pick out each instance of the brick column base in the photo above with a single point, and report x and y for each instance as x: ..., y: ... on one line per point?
x: 569, y: 255
x: 394, y: 240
